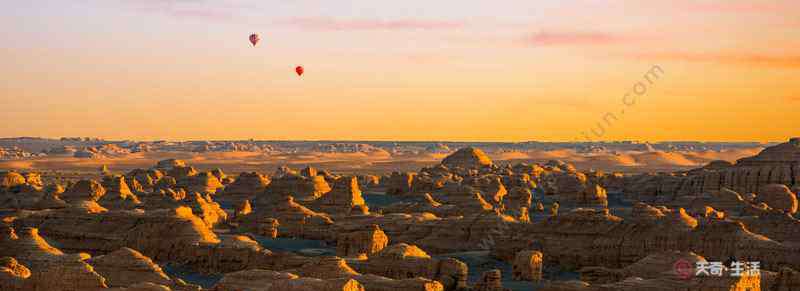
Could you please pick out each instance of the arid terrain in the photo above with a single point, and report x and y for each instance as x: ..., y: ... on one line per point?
x: 88, y: 214
x: 86, y: 155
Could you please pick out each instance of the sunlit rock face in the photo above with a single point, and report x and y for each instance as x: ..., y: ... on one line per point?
x: 467, y: 158
x: 300, y: 187
x: 295, y: 220
x: 364, y: 241
x: 403, y: 261
x: 246, y: 186
x: 117, y: 234
x: 779, y: 164
x: 342, y: 199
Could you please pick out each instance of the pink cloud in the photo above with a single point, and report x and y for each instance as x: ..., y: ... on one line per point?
x: 572, y: 38
x: 370, y: 24
x: 778, y: 61
x: 186, y: 9
x: 200, y: 13
x: 737, y: 7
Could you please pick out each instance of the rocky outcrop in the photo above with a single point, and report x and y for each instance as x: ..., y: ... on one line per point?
x: 725, y: 200
x: 313, y: 284
x: 301, y: 187
x: 126, y: 267
x: 657, y: 265
x: 146, y: 178
x: 296, y: 221
x: 777, y: 196
x: 657, y: 272
x: 380, y: 283
x: 84, y: 190
x: 403, y: 261
x: 172, y: 234
x: 518, y: 201
x: 251, y: 280
x: 776, y: 225
x: 467, y: 199
x: 527, y: 266
x: 20, y: 191
x: 467, y: 158
x: 596, y: 238
x: 363, y: 242
x: 478, y: 231
x: 11, y: 179
x: 490, y: 281
x: 169, y: 164
x: 342, y: 199
x: 399, y: 183
x: 12, y: 274
x: 369, y: 181
x: 574, y: 189
x: 205, y: 183
x: 245, y: 187
x: 50, y: 268
x: 426, y: 205
x: 118, y: 195
x: 208, y: 210
x: 779, y: 164
x: 180, y: 173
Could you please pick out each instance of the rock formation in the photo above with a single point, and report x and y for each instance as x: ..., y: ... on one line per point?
x: 777, y: 196
x: 301, y: 187
x: 245, y: 187
x: 490, y: 281
x: 361, y: 242
x: 527, y: 266
x: 118, y: 195
x: 342, y: 199
x: 295, y: 220
x: 126, y: 267
x: 467, y: 158
x: 403, y: 261
x: 399, y: 183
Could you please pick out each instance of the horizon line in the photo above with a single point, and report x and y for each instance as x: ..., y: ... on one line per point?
x: 399, y: 140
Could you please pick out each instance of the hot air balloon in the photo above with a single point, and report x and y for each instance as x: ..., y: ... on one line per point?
x: 299, y: 70
x: 254, y: 39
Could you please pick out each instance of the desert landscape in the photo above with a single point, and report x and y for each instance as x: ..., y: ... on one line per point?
x: 87, y: 214
x: 415, y: 145
x: 87, y: 155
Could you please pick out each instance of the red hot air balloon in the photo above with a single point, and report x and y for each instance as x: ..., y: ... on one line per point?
x: 299, y: 70
x: 254, y: 39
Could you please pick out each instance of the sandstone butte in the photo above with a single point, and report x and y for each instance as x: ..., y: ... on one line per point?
x: 611, y: 231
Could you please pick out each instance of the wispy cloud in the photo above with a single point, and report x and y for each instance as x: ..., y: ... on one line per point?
x: 186, y: 8
x: 572, y: 38
x: 324, y: 23
x: 760, y: 60
x: 731, y: 6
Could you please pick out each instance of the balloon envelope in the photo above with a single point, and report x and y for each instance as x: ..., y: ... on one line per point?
x: 254, y: 39
x: 299, y: 70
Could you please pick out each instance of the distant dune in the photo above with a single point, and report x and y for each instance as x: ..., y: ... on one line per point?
x: 612, y: 160
x: 236, y: 156
x: 662, y: 159
x: 513, y: 155
x: 730, y: 155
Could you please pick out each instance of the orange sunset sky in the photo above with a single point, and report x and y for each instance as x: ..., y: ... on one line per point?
x: 400, y: 70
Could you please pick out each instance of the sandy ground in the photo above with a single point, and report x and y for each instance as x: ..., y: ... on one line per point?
x: 377, y: 162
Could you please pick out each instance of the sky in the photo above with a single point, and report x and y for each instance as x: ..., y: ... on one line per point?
x: 466, y: 70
